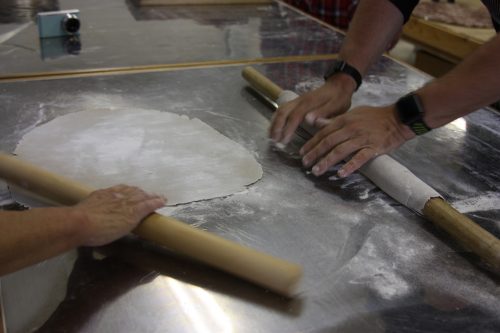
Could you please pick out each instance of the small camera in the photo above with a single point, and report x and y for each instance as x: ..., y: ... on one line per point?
x: 59, y: 23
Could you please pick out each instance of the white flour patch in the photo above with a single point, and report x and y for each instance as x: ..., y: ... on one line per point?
x: 484, y: 202
x: 308, y: 85
x: 386, y: 254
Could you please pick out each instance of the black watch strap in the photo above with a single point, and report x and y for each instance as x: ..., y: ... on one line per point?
x: 411, y: 113
x: 340, y: 66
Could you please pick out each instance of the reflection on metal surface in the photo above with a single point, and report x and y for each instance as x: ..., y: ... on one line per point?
x: 12, y: 31
x: 38, y: 290
x: 15, y: 11
x: 114, y: 38
x: 200, y: 308
x: 57, y: 47
x: 460, y: 124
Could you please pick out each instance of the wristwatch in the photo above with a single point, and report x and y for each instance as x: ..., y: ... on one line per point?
x: 411, y: 113
x: 340, y: 66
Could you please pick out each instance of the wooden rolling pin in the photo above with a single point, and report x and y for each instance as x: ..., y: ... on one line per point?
x: 270, y: 272
x: 463, y: 230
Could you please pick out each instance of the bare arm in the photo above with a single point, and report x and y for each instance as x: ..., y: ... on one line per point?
x: 473, y: 84
x: 31, y: 236
x: 372, y: 29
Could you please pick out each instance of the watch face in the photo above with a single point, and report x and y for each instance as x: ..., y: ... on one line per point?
x: 409, y: 109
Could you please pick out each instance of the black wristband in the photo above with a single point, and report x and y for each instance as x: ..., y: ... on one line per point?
x: 340, y: 66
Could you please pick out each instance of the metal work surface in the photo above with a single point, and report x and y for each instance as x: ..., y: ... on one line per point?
x: 370, y: 264
x: 115, y: 33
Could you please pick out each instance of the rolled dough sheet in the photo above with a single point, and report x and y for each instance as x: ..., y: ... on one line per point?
x: 165, y: 153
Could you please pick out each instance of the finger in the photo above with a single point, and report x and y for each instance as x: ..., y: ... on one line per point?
x: 122, y: 192
x: 357, y: 161
x: 304, y: 110
x: 106, y: 193
x: 336, y: 155
x: 292, y: 123
x: 329, y: 142
x: 322, y: 122
x: 139, y: 195
x: 332, y: 108
x: 333, y: 126
x: 146, y: 207
x: 279, y: 120
x: 321, y: 111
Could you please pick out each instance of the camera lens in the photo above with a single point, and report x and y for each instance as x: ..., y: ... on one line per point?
x: 71, y: 23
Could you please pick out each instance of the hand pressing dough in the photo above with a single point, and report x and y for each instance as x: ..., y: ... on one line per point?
x: 184, y: 159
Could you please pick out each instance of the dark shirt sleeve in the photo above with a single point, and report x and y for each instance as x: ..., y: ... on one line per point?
x: 405, y: 7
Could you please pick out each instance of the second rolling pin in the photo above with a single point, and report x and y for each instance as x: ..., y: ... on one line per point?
x: 265, y: 270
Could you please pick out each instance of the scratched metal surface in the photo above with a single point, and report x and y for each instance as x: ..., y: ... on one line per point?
x: 116, y: 33
x: 370, y: 264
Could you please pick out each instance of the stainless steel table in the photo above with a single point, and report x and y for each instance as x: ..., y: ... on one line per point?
x: 370, y: 264
x: 118, y: 34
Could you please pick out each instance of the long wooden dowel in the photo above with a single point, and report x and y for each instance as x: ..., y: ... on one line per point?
x: 270, y: 272
x: 464, y: 231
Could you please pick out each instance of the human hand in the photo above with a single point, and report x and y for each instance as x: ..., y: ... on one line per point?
x: 112, y: 213
x: 364, y: 131
x: 333, y: 98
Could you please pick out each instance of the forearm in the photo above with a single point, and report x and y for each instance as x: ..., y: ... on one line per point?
x: 471, y: 85
x: 31, y: 236
x: 375, y: 24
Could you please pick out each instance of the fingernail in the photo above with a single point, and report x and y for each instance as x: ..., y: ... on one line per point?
x: 280, y: 145
x: 305, y: 162
x: 342, y: 173
x: 310, y: 118
x: 301, y: 151
x: 315, y: 170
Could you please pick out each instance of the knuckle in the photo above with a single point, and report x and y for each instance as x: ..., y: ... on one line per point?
x: 134, y: 210
x: 339, y: 152
x: 361, y: 157
x: 311, y: 156
x: 353, y: 128
x: 330, y: 141
x: 330, y: 159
